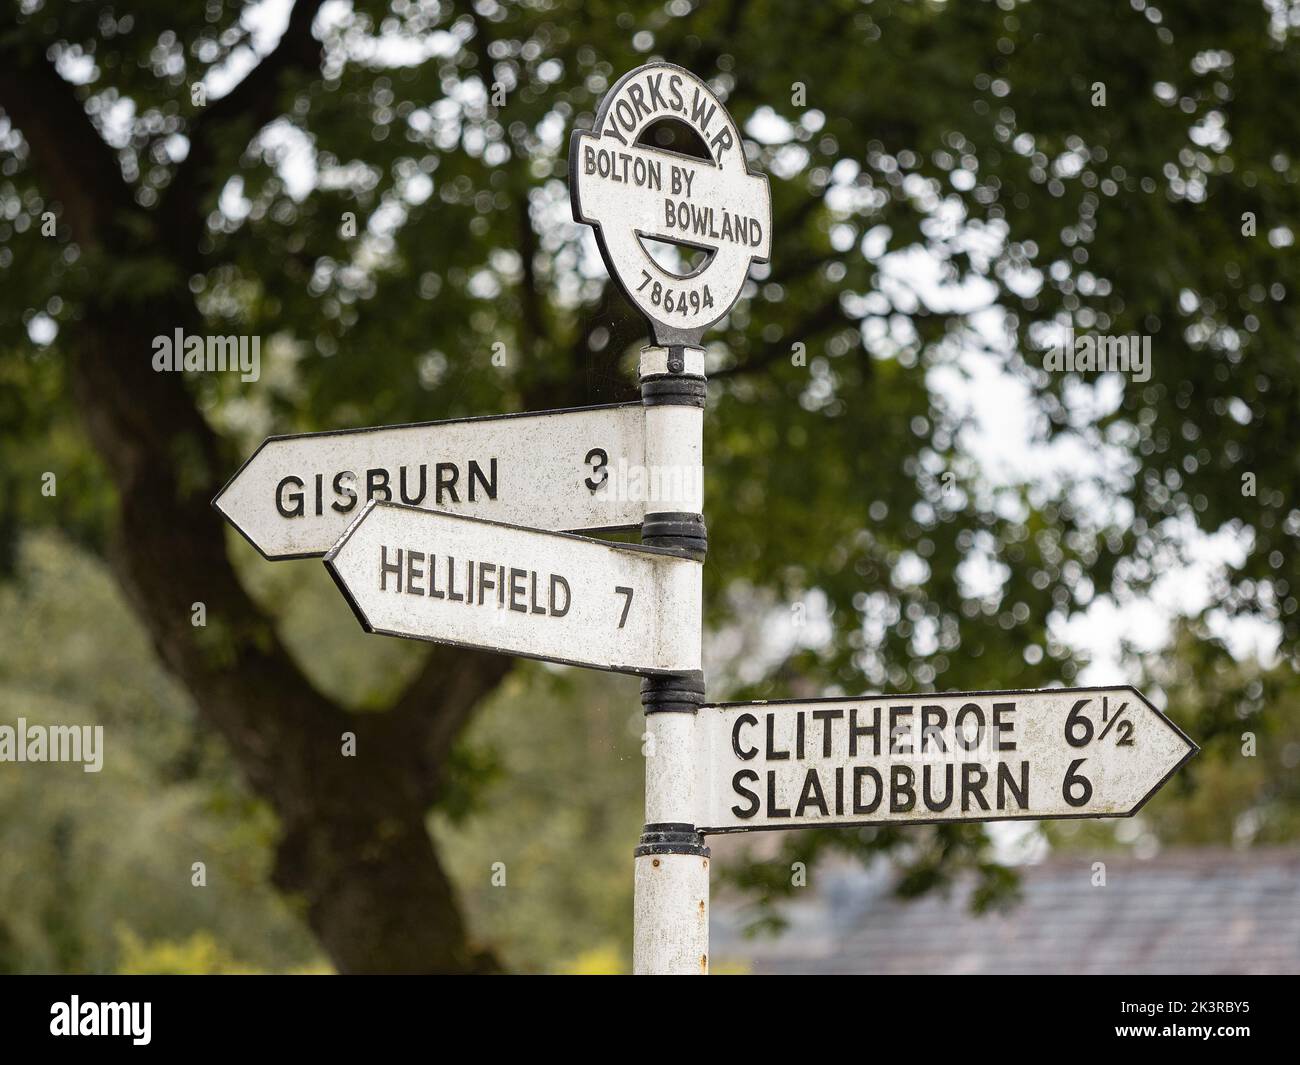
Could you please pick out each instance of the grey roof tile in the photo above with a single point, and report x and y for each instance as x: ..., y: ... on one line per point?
x: 1183, y: 911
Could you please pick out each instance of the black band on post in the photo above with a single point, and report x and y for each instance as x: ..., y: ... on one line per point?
x: 673, y: 693
x: 678, y: 529
x: 661, y: 389
x: 671, y: 838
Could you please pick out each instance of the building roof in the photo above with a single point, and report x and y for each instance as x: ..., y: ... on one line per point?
x: 1183, y: 911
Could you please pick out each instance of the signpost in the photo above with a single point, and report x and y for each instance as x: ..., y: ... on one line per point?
x: 916, y: 759
x: 446, y: 531
x: 451, y: 579
x: 633, y: 193
x: 556, y: 469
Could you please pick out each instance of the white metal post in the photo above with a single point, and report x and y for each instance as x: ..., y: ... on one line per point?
x: 671, y: 905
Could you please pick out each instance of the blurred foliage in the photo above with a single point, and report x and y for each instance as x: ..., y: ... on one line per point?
x: 559, y: 822
x: 95, y: 873
x: 1243, y: 789
x: 199, y: 955
x: 946, y: 192
x: 86, y: 858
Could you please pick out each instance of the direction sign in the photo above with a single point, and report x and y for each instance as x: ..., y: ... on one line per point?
x: 969, y: 756
x: 633, y: 192
x: 452, y: 579
x: 555, y: 469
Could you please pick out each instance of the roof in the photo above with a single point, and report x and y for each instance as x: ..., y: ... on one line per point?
x: 1181, y: 912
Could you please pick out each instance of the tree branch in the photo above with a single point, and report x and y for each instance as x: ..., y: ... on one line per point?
x: 533, y: 317
x: 255, y: 100
x: 429, y: 714
x: 66, y: 149
x: 829, y: 313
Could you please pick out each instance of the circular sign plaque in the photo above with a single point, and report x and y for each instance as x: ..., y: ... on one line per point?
x: 634, y: 193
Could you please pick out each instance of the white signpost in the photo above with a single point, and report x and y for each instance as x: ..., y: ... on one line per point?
x: 452, y: 579
x: 632, y: 193
x: 445, y: 531
x: 560, y: 469
x: 915, y: 759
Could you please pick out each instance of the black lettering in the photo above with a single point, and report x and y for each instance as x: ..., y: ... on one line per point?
x: 900, y: 736
x: 414, y: 572
x: 773, y: 755
x: 675, y: 92
x: 1001, y: 726
x: 638, y: 99
x: 934, y: 719
x: 973, y: 778
x: 401, y: 485
x: 517, y: 590
x: 452, y: 594
x: 559, y: 582
x: 296, y: 511
x: 959, y: 727
x: 812, y: 793
x: 772, y: 809
x: 1006, y: 782
x: 626, y: 116
x: 872, y: 730
x: 738, y: 782
x: 657, y: 101
x: 446, y: 475
x: 743, y: 719
x: 376, y: 482
x: 902, y: 792
x: 700, y: 118
x: 826, y: 717
x: 476, y: 479
x: 861, y: 773
x: 340, y: 489
x: 932, y: 803
x: 386, y: 567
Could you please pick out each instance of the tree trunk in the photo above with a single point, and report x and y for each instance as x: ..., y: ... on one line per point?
x: 355, y: 847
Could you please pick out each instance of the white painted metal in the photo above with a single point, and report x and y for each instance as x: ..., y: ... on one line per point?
x: 670, y: 776
x: 671, y: 891
x: 632, y: 193
x: 671, y: 914
x: 548, y: 470
x: 654, y: 361
x: 560, y: 599
x: 1009, y: 755
x: 674, y: 455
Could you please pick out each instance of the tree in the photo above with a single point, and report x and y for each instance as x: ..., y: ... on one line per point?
x: 970, y: 132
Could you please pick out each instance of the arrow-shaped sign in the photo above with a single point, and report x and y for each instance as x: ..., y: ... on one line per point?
x: 447, y: 578
x: 970, y: 756
x: 560, y: 469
